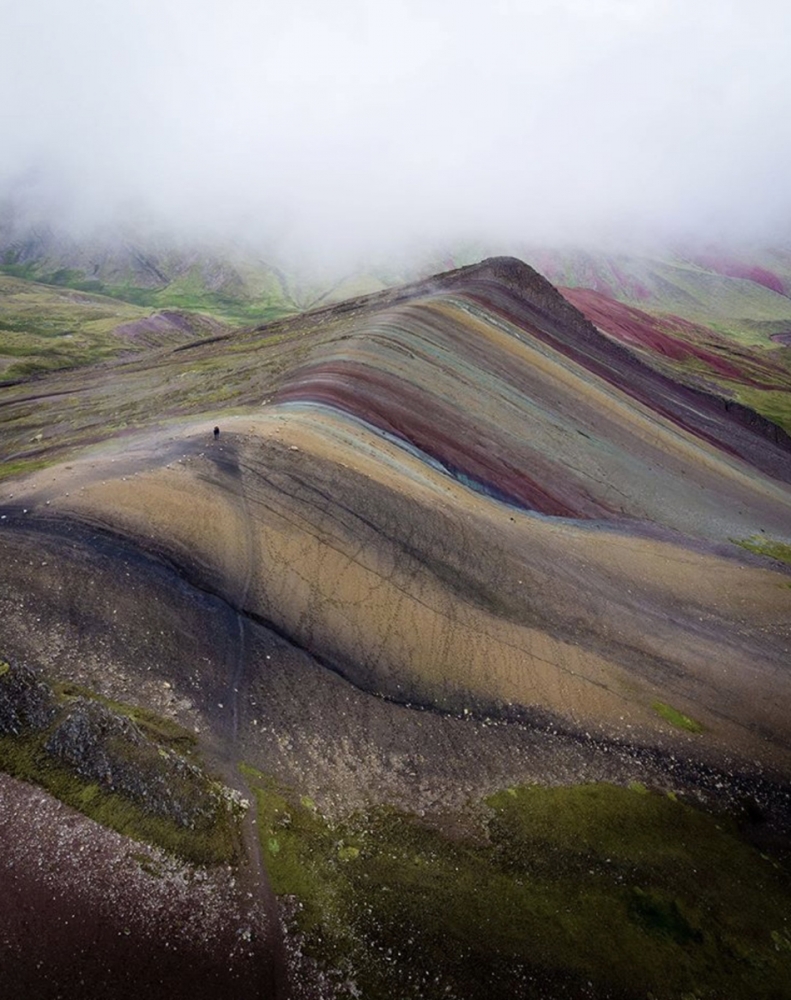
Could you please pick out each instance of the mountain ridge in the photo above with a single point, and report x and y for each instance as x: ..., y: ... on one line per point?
x: 451, y: 548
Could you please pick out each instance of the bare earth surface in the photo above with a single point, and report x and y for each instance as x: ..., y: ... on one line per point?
x: 462, y: 543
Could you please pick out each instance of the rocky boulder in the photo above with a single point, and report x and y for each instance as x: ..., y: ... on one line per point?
x: 26, y: 703
x: 103, y: 746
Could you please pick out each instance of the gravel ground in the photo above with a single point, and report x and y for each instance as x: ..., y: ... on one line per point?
x: 85, y: 908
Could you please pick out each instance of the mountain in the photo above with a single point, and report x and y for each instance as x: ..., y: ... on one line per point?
x: 718, y: 319
x: 710, y: 318
x: 155, y: 269
x: 434, y: 643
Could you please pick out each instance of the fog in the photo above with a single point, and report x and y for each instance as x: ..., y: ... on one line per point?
x: 348, y: 128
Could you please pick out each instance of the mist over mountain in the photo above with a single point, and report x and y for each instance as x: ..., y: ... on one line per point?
x: 344, y: 132
x: 395, y: 500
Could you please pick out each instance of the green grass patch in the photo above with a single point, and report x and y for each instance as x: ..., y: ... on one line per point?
x: 676, y: 718
x: 157, y: 727
x: 23, y: 466
x: 190, y: 296
x: 774, y: 404
x: 780, y: 551
x: 634, y: 892
x: 47, y: 327
x: 23, y: 757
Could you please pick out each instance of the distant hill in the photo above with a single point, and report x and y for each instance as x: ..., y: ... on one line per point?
x: 162, y: 271
x: 717, y: 320
x: 68, y: 301
x: 714, y: 318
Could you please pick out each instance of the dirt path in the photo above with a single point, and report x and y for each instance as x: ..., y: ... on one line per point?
x: 119, y: 460
x: 253, y: 875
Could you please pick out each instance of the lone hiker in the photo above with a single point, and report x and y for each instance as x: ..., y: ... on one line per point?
x: 216, y: 433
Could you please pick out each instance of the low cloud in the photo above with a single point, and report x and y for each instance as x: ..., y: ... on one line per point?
x: 361, y: 127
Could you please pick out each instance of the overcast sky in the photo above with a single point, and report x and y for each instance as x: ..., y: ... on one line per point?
x: 357, y: 123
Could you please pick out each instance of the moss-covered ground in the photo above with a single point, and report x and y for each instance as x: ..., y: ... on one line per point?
x: 780, y: 551
x: 773, y: 404
x: 676, y: 718
x: 593, y: 890
x: 212, y: 840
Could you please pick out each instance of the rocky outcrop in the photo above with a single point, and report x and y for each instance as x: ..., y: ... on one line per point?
x: 104, y: 746
x: 101, y: 745
x: 26, y: 703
